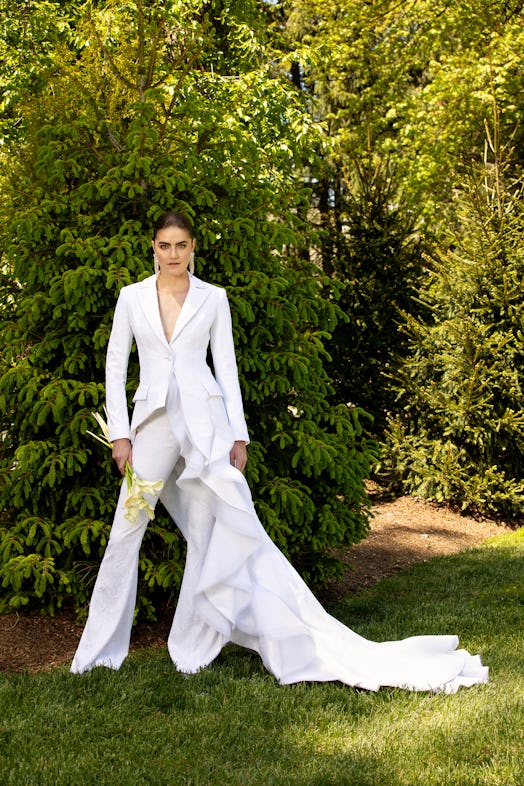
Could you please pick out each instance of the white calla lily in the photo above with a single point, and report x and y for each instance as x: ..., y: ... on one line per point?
x: 136, y: 487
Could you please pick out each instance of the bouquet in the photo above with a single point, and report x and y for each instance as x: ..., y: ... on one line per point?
x: 136, y: 487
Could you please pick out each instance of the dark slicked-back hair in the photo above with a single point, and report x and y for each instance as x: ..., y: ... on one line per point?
x: 173, y: 219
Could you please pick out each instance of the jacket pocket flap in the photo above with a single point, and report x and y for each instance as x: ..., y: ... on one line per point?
x: 141, y: 393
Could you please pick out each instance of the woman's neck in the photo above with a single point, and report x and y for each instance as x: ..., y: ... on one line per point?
x: 173, y: 284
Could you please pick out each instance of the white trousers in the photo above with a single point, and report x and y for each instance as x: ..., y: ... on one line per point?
x: 106, y: 637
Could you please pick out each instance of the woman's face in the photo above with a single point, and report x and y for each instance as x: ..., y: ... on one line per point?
x: 173, y: 248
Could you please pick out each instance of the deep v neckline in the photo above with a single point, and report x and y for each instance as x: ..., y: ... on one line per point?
x: 169, y: 328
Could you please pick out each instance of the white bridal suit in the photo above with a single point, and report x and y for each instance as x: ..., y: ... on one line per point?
x: 237, y: 585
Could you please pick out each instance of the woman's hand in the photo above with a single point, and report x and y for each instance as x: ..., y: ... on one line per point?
x: 122, y: 453
x: 238, y: 455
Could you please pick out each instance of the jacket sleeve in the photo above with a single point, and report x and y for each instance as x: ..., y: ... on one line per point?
x: 117, y: 359
x: 225, y: 365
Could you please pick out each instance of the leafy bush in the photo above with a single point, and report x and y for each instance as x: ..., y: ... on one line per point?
x: 141, y: 120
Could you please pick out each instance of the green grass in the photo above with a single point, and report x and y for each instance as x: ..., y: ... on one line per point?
x: 233, y: 725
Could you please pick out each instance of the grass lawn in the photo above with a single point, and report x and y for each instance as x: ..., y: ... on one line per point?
x: 233, y: 725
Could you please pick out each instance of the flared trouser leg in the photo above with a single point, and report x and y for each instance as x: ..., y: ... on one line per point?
x: 106, y: 636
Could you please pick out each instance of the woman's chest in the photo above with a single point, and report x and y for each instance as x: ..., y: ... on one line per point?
x: 170, y: 307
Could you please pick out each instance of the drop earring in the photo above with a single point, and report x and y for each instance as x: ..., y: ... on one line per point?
x: 155, y: 261
x: 192, y: 262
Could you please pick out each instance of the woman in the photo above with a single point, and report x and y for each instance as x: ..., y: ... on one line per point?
x: 188, y: 430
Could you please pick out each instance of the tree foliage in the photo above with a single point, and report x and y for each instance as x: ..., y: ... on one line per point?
x: 412, y: 85
x: 228, y: 109
x: 375, y: 252
x: 414, y: 81
x: 460, y: 437
x: 162, y: 106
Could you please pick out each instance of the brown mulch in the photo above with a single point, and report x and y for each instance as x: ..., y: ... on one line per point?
x: 403, y: 532
x: 406, y: 531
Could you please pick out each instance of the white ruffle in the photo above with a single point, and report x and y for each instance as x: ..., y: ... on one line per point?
x: 238, y: 587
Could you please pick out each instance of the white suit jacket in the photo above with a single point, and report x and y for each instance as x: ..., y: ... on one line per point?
x: 204, y: 320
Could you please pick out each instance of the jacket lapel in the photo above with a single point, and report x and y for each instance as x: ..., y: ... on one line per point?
x: 197, y: 294
x: 149, y: 304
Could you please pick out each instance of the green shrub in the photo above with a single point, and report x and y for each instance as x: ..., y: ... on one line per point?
x: 145, y: 119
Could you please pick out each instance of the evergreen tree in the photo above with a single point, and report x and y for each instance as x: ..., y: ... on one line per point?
x: 460, y: 437
x: 377, y: 255
x: 152, y: 113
